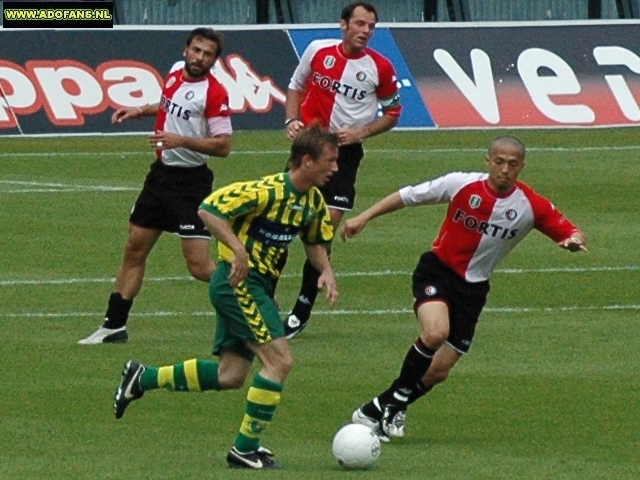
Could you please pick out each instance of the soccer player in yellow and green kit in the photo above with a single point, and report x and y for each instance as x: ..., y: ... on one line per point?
x: 253, y: 222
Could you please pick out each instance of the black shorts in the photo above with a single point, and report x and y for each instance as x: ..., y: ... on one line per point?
x: 434, y: 281
x: 170, y: 198
x: 340, y: 190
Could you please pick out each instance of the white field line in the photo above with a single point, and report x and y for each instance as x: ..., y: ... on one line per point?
x: 8, y: 283
x: 512, y: 271
x: 43, y: 187
x: 399, y: 311
x: 58, y: 188
x: 284, y: 151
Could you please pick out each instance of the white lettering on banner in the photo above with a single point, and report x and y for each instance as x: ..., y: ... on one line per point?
x: 620, y: 56
x: 563, y: 82
x: 481, y: 93
x: 16, y: 90
x: 479, y: 88
x: 245, y: 87
x: 132, y: 84
x: 68, y: 90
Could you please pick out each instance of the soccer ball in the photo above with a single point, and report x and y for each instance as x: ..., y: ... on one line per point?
x: 356, y: 447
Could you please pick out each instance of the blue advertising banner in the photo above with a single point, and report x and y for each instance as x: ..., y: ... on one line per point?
x: 414, y: 112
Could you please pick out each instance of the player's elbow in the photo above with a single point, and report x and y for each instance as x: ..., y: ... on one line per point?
x: 225, y: 151
x: 207, y: 218
x: 223, y: 148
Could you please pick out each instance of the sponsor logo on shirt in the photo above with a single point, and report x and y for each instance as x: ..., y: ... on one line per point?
x: 272, y: 234
x: 173, y: 108
x: 327, y: 83
x: 274, y: 239
x: 485, y: 228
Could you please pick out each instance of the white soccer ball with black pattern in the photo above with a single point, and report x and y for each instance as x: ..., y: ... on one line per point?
x: 356, y: 447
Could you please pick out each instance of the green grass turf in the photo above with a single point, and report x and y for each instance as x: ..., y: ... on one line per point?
x: 549, y: 391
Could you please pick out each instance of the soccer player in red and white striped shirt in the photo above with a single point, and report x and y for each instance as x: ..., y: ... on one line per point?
x: 192, y: 123
x: 488, y: 215
x: 341, y: 84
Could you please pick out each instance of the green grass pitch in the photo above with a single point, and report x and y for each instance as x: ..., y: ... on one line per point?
x: 550, y: 389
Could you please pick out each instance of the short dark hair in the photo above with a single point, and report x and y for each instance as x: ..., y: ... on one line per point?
x: 311, y: 141
x: 208, y: 34
x: 347, y: 12
x: 509, y: 141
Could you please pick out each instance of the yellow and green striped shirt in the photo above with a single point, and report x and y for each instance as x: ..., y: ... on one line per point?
x: 266, y: 215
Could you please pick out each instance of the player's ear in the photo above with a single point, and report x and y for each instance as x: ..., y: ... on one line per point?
x: 307, y: 160
x: 343, y: 25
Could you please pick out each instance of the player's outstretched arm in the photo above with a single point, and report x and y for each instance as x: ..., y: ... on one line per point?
x: 125, y: 113
x: 574, y: 243
x: 355, y: 225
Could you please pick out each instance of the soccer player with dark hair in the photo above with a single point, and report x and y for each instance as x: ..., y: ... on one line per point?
x: 253, y: 222
x: 340, y: 83
x: 192, y: 124
x: 488, y: 215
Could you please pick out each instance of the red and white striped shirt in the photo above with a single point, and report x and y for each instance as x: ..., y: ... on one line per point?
x: 342, y: 91
x: 191, y: 108
x: 481, y: 226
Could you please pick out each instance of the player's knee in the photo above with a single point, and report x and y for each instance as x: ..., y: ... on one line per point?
x: 135, y: 252
x: 434, y: 338
x: 201, y: 271
x: 285, y: 364
x: 281, y: 366
x: 231, y: 382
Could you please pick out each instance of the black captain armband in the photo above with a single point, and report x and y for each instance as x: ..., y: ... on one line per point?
x: 289, y: 120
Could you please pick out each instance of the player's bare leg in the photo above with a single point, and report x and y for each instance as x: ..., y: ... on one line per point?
x: 297, y: 320
x: 128, y: 283
x: 197, y: 255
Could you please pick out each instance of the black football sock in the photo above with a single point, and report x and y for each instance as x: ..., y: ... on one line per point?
x: 117, y: 311
x: 373, y: 409
x: 408, y: 386
x: 419, y: 391
x: 308, y: 292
